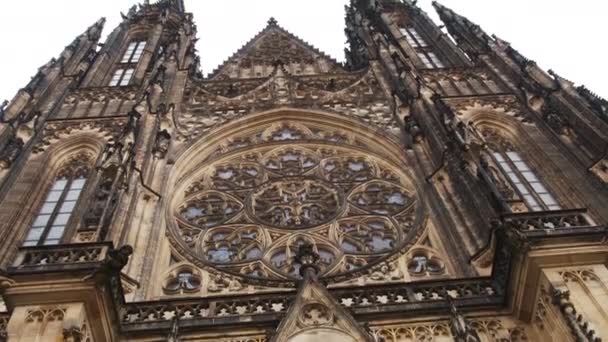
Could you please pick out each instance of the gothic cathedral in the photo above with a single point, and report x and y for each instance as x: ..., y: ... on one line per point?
x: 436, y: 186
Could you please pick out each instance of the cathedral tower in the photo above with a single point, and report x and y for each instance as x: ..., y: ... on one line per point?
x: 436, y: 186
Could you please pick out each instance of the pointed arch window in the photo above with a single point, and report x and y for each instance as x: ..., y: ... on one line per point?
x: 121, y: 77
x: 430, y: 60
x: 424, y: 51
x: 525, y: 181
x: 413, y: 37
x: 134, y: 52
x: 55, y: 212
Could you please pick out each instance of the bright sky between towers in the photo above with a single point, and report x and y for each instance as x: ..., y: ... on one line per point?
x: 565, y: 36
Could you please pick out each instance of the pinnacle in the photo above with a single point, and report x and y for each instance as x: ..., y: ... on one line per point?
x: 272, y: 22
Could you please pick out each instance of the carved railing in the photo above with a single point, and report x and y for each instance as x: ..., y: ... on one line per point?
x: 199, y: 312
x: 553, y: 223
x: 419, y: 296
x: 59, y: 258
x: 269, y: 308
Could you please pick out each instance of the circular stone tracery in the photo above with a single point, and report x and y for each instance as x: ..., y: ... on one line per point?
x: 295, y: 203
x: 248, y: 216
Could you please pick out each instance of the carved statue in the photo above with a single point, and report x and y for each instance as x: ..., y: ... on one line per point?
x: 161, y: 145
x: 72, y: 334
x: 496, y: 177
x: 166, y: 125
x: 93, y: 216
x: 114, y: 262
x: 218, y: 282
x: 22, y: 129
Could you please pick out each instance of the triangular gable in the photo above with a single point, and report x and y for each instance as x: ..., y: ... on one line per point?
x: 256, y: 58
x: 316, y: 316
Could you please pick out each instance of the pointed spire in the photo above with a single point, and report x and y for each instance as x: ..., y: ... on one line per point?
x: 469, y: 36
x: 94, y: 31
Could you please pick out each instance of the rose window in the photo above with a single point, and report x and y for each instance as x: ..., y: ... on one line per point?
x: 247, y: 213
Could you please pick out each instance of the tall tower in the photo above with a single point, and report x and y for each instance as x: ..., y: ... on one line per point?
x: 437, y: 186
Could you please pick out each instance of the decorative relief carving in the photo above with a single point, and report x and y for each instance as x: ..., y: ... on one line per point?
x: 298, y: 203
x: 56, y: 130
x: 239, y: 214
x: 182, y: 280
x: 315, y: 314
x: 494, y: 330
x: 501, y: 105
x: 272, y: 45
x: 423, y: 262
x: 361, y: 99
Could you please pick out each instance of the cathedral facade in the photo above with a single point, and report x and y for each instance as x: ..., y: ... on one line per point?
x: 436, y: 186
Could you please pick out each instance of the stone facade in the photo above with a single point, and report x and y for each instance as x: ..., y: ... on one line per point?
x: 434, y: 187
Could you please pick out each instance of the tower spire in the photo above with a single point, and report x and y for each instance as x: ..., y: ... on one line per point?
x: 469, y: 36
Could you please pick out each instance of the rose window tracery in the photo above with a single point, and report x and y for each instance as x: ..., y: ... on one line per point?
x: 295, y: 203
x: 247, y: 213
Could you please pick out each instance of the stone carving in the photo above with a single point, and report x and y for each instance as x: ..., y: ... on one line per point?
x: 360, y: 98
x: 462, y: 330
x: 315, y: 314
x: 581, y: 331
x: 295, y: 204
x: 44, y: 314
x: 54, y: 131
x: 386, y: 272
x: 182, y: 281
x: 166, y: 126
x: 271, y: 45
x: 72, y: 334
x: 248, y: 216
x: 423, y: 263
x: 219, y: 283
x: 21, y: 130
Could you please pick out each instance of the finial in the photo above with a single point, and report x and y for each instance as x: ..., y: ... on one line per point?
x: 272, y: 22
x: 307, y: 257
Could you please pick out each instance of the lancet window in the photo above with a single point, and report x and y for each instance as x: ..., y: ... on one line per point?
x: 413, y: 37
x: 134, y: 52
x: 525, y: 181
x: 430, y: 60
x: 56, y: 210
x: 121, y: 77
x: 425, y: 53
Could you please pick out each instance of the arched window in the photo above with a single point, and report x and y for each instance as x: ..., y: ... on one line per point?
x: 526, y: 184
x: 54, y: 214
x: 525, y: 181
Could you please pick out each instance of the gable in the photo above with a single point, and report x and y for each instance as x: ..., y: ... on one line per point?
x: 271, y: 46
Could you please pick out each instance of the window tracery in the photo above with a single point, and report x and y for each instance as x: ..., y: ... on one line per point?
x: 424, y: 263
x: 183, y: 280
x: 246, y: 213
x: 55, y: 212
x: 524, y: 182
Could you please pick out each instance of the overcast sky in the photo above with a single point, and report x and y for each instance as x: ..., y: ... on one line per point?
x: 566, y: 36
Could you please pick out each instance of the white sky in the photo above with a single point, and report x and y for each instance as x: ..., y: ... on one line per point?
x: 566, y: 36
